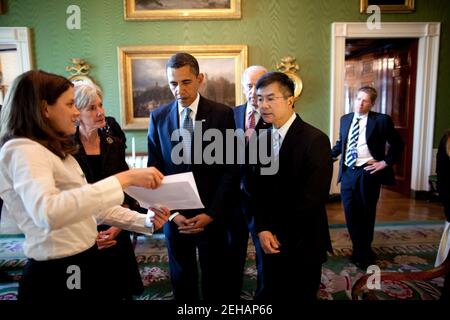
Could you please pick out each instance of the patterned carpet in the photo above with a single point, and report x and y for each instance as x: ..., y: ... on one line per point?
x: 400, y: 247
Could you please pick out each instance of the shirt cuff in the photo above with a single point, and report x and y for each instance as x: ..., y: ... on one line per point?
x: 173, y: 215
x: 143, y: 225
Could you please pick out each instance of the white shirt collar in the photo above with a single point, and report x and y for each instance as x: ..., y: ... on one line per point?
x: 362, y: 116
x: 285, y: 127
x: 193, y: 106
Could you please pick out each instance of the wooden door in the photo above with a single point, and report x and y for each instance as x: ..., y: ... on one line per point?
x: 388, y: 65
x: 401, y: 109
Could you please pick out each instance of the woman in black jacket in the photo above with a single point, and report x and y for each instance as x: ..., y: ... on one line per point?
x: 101, y: 154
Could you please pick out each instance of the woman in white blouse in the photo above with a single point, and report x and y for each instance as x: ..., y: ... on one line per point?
x: 45, y: 192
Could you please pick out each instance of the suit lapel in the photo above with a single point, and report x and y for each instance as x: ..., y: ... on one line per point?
x: 262, y: 125
x: 203, y: 111
x: 347, y: 124
x: 173, y: 122
x: 290, y: 137
x: 370, y: 124
x: 105, y: 149
x: 240, y: 117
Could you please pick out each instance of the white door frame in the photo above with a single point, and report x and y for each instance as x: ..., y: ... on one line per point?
x: 20, y: 38
x: 428, y: 34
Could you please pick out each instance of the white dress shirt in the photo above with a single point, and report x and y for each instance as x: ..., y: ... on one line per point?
x: 53, y: 205
x: 282, y: 131
x: 362, y: 148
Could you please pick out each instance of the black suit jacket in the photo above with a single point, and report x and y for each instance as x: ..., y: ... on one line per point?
x: 112, y: 153
x: 291, y: 203
x: 443, y: 174
x: 380, y: 131
x: 215, y: 182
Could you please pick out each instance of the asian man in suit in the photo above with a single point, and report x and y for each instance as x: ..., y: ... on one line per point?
x: 289, y: 203
x: 199, y: 229
x: 247, y: 117
x: 365, y: 165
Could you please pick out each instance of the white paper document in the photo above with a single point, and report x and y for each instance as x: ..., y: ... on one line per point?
x: 177, y: 192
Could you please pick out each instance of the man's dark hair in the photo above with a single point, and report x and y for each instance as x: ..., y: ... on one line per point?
x: 181, y: 59
x: 287, y: 86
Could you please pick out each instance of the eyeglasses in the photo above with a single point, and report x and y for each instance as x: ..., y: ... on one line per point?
x: 268, y: 99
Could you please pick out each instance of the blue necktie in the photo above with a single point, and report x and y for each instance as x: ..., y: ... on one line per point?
x: 352, y: 151
x: 188, y: 126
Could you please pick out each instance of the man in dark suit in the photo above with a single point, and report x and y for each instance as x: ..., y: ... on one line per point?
x: 364, y: 167
x: 247, y: 118
x: 289, y: 203
x: 201, y: 229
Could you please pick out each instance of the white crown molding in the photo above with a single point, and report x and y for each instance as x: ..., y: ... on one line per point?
x: 428, y: 34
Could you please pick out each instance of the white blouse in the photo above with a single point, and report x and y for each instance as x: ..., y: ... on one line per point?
x: 53, y: 205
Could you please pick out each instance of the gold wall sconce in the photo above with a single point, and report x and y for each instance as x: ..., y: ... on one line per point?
x: 79, y: 70
x: 290, y: 67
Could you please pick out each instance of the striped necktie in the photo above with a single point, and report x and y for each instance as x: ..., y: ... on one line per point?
x: 188, y: 127
x: 352, y: 151
x: 251, y: 124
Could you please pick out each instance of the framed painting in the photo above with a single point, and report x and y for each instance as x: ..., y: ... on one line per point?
x: 388, y: 6
x: 182, y: 9
x: 143, y: 80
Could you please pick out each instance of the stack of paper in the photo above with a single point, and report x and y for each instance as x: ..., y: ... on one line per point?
x: 177, y: 192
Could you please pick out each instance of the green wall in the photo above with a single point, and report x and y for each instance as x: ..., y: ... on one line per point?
x: 271, y: 29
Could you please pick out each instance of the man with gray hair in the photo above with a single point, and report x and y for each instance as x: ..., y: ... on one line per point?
x: 247, y: 117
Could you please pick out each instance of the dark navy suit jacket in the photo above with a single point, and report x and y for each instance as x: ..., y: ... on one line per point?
x: 239, y: 119
x: 215, y: 182
x: 239, y: 116
x: 380, y: 131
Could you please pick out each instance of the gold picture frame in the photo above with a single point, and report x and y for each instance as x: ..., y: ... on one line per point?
x: 182, y: 10
x: 388, y: 6
x: 143, y: 81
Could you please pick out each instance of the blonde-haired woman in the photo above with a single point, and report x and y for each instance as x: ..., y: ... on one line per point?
x: 100, y: 155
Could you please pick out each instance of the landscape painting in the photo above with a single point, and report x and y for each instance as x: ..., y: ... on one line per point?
x: 144, y: 84
x: 182, y: 9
